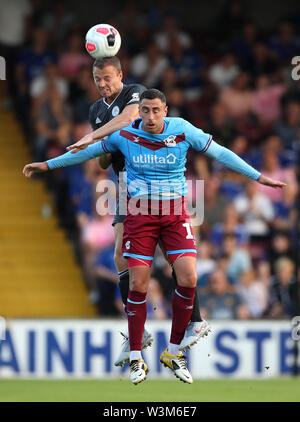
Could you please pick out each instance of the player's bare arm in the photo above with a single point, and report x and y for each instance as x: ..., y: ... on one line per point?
x: 128, y: 115
x: 32, y: 168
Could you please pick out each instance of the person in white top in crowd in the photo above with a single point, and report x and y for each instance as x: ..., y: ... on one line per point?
x: 224, y: 71
x: 256, y: 209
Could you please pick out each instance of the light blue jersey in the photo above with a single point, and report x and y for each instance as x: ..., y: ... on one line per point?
x: 155, y: 163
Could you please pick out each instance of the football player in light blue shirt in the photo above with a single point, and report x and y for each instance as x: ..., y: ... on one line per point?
x: 155, y: 149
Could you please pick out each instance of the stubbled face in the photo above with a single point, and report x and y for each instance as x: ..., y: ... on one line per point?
x: 108, y: 81
x: 152, y: 113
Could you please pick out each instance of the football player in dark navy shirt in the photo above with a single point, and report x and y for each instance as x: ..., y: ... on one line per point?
x: 117, y: 108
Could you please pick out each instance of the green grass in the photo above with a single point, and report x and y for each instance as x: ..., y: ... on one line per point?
x: 274, y: 390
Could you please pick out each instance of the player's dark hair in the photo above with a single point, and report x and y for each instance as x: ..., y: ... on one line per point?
x: 151, y: 94
x: 108, y: 61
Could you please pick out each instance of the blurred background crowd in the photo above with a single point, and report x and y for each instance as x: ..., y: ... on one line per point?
x: 234, y: 83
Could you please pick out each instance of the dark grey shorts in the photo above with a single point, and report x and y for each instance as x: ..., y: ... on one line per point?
x: 117, y: 217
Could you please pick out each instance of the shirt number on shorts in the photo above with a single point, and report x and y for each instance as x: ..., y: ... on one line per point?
x: 189, y: 231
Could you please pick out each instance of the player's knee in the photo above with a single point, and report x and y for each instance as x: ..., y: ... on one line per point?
x: 187, y: 280
x: 138, y: 285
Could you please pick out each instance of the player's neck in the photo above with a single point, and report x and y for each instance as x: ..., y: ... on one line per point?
x: 111, y: 99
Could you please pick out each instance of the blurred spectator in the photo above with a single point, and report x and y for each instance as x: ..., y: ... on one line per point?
x: 285, y: 44
x: 81, y: 84
x: 237, y: 97
x: 262, y: 60
x: 30, y: 65
x: 266, y: 100
x: 288, y: 128
x: 81, y: 105
x: 53, y: 119
x: 281, y: 290
x: 171, y: 30
x: 82, y: 186
x: 232, y: 181
x: 214, y: 203
x: 225, y: 71
x: 176, y: 104
x: 279, y: 248
x: 32, y: 61
x: 239, y: 259
x: 107, y: 282
x: 97, y: 234
x: 253, y: 293
x: 285, y: 210
x: 168, y: 80
x: 219, y: 302
x: 74, y: 57
x: 205, y: 263
x: 231, y: 20
x: 256, y: 209
x: 149, y: 65
x: 221, y: 126
x: 40, y: 86
x: 243, y: 43
x: 187, y: 65
x: 162, y: 271
x: 14, y: 26
x: 271, y: 168
x: 230, y: 225
x: 58, y: 21
x: 157, y: 307
x: 263, y: 270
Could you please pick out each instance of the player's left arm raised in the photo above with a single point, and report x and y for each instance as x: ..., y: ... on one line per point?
x: 204, y: 143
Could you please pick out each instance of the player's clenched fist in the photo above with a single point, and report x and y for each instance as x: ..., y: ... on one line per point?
x: 32, y: 168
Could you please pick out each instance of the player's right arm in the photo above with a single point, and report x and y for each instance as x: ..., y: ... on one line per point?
x: 69, y: 159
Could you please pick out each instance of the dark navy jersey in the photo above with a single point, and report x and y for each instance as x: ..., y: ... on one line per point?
x: 101, y: 113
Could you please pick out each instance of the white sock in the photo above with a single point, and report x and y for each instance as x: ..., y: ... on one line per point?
x: 135, y: 354
x: 173, y: 349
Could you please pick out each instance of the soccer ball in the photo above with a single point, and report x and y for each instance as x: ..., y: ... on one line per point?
x: 102, y: 41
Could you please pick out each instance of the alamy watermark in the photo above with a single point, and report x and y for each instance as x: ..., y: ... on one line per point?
x: 157, y: 197
x: 296, y: 69
x: 296, y: 328
x: 2, y: 69
x: 2, y: 328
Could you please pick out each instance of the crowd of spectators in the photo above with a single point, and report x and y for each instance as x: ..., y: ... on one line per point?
x: 234, y: 83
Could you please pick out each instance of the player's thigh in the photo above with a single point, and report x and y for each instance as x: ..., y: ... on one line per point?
x: 120, y: 261
x: 141, y: 234
x: 118, y: 233
x: 177, y: 237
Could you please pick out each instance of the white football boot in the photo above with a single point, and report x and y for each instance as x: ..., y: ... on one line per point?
x: 194, y: 331
x: 124, y: 356
x: 177, y: 363
x: 138, y: 371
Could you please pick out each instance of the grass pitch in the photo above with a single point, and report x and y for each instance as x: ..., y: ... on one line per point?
x: 121, y: 390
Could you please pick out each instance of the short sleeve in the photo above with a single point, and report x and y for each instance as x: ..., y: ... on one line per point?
x: 196, y: 138
x: 133, y: 94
